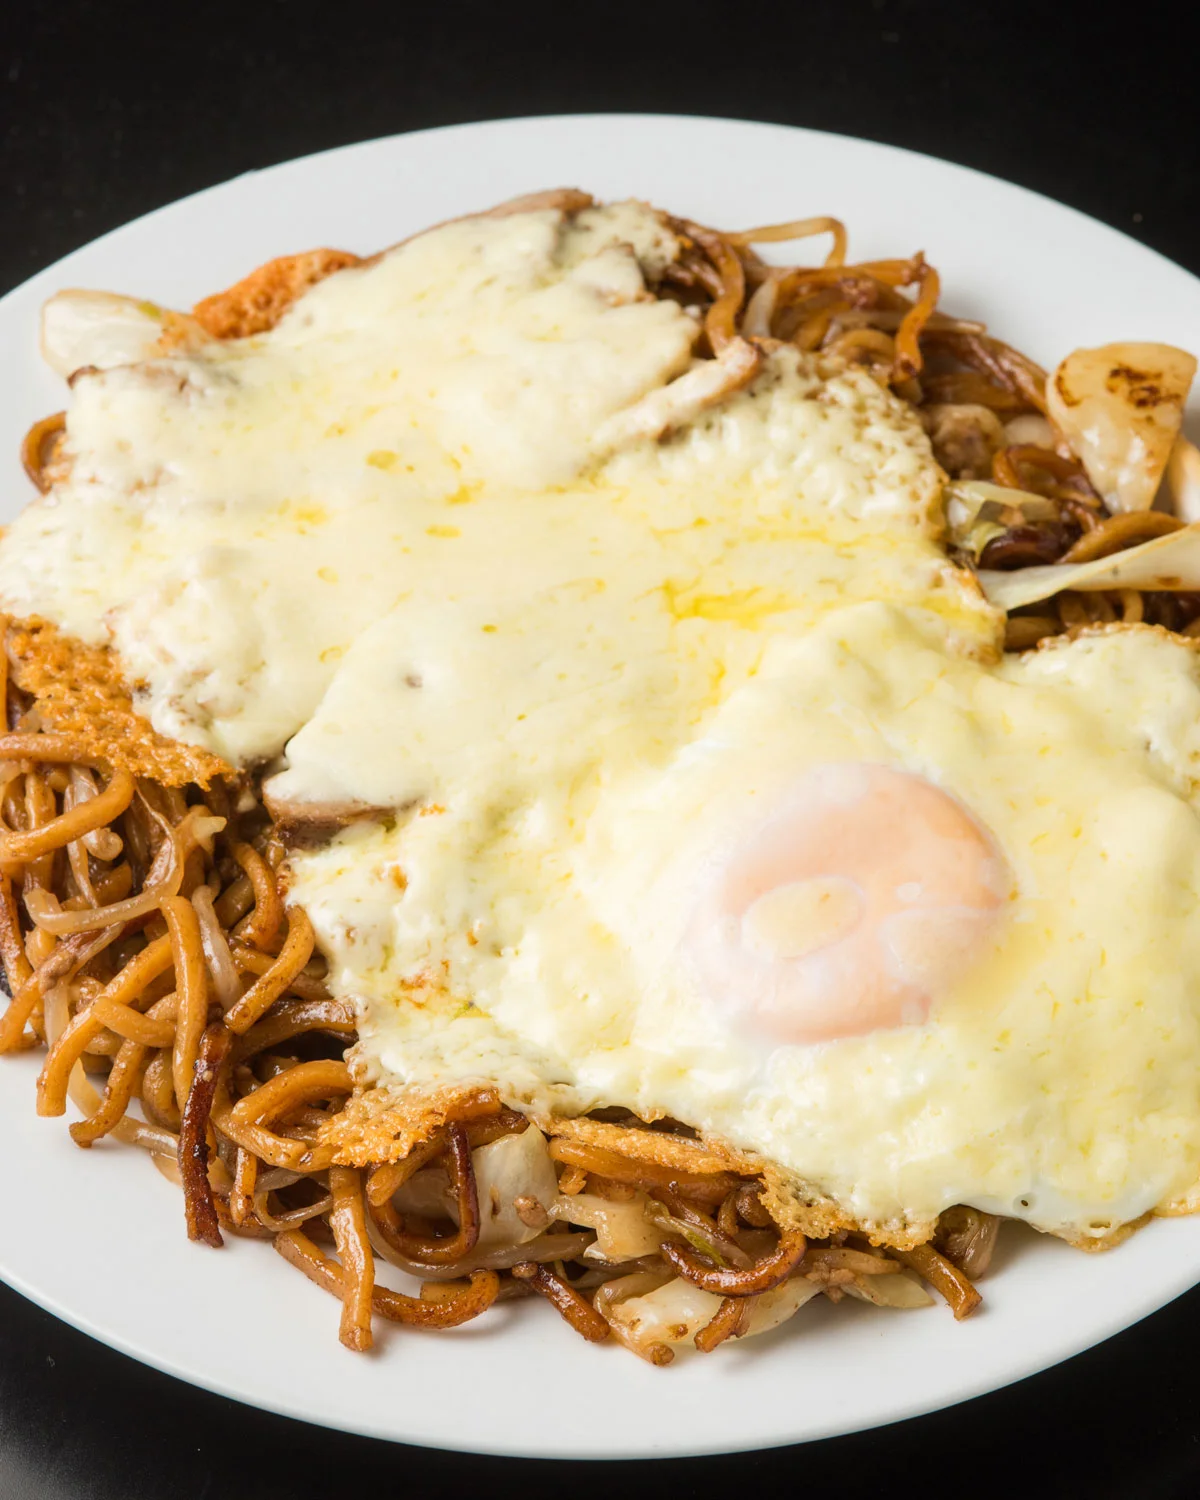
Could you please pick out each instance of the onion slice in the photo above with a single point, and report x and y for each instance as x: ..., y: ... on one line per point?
x: 1120, y: 408
x: 225, y: 975
x: 100, y: 330
x: 1183, y: 480
x: 1170, y: 563
x: 977, y: 511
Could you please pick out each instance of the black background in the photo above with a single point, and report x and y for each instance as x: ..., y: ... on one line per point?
x: 108, y: 110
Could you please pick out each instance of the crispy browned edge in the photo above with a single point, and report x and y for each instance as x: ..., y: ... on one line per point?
x: 257, y: 302
x: 81, y: 692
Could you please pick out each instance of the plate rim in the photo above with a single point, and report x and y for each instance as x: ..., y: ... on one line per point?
x: 429, y: 132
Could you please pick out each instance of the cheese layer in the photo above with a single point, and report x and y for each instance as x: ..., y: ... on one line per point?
x: 409, y: 550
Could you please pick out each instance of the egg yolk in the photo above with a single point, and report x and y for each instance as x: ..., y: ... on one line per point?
x: 849, y: 909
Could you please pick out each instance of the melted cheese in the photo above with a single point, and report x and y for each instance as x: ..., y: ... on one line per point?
x: 397, y: 548
x: 424, y: 434
x: 542, y: 944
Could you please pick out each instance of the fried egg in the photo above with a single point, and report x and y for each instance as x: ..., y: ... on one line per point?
x: 698, y: 782
x: 920, y: 930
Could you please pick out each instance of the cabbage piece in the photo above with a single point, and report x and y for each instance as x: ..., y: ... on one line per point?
x: 622, y: 1230
x: 901, y: 1290
x: 511, y: 1168
x: 103, y: 330
x: 1170, y: 562
x: 512, y: 1174
x: 1183, y: 480
x: 777, y: 1306
x: 1120, y: 408
x: 1030, y: 427
x: 427, y: 1193
x: 675, y: 1312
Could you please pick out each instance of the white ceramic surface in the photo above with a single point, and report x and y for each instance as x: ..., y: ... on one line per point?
x: 97, y: 1237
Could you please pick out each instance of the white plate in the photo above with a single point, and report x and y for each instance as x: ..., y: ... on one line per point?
x: 97, y: 1237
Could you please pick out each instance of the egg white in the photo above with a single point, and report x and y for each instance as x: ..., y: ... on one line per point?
x: 1054, y: 1080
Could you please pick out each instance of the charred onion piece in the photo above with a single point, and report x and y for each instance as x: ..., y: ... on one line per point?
x: 1026, y: 546
x: 1120, y: 531
x: 201, y: 1213
x: 575, y: 1309
x: 733, y: 1281
x: 967, y: 1238
x: 727, y: 1217
x: 308, y: 825
x: 968, y: 387
x: 944, y: 1277
x: 996, y: 362
x: 453, y: 1247
x: 750, y: 1206
x: 844, y: 1258
x: 1008, y: 462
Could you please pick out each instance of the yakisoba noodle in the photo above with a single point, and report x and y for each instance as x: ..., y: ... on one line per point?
x: 149, y: 947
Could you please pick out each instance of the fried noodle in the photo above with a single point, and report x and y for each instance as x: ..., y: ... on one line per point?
x: 147, y: 941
